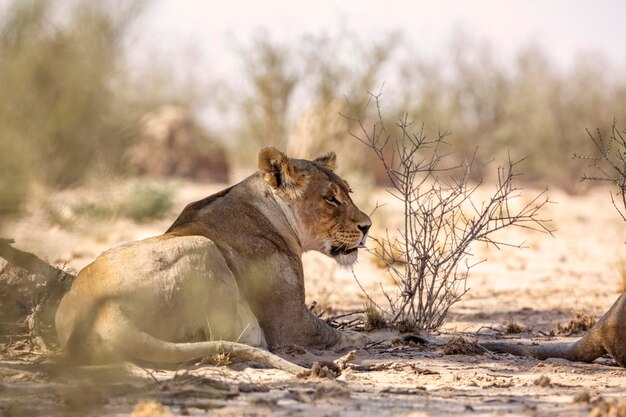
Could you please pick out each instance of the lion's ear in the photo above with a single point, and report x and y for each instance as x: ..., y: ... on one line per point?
x: 279, y: 172
x: 327, y: 161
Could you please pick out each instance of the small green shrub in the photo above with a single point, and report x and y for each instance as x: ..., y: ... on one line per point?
x: 91, y: 210
x: 142, y: 201
x: 146, y: 201
x: 69, y: 102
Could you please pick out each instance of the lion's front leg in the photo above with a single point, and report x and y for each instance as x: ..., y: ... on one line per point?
x: 299, y: 326
x: 278, y: 302
x: 286, y: 320
x: 316, y: 333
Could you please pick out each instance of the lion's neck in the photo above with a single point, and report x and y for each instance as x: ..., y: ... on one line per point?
x: 304, y: 241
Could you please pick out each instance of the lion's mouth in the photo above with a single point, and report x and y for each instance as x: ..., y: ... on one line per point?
x: 342, y: 250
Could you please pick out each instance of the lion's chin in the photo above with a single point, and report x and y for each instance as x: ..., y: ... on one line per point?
x: 344, y: 256
x: 346, y: 260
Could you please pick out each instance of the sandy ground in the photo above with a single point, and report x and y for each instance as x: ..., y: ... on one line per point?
x: 539, y: 287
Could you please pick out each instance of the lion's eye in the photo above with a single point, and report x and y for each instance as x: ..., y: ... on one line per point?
x: 332, y: 200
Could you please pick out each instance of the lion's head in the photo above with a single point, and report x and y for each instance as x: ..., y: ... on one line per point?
x: 327, y: 218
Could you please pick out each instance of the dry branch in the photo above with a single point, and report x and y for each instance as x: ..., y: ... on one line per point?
x: 442, y: 218
x: 611, y: 164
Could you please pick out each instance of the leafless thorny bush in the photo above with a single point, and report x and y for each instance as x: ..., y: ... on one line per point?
x: 611, y: 163
x: 441, y: 219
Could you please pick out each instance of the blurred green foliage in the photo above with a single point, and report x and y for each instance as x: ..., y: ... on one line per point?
x: 272, y: 77
x: 524, y: 108
x: 527, y: 108
x: 293, y: 95
x: 141, y: 202
x: 147, y: 201
x: 59, y: 115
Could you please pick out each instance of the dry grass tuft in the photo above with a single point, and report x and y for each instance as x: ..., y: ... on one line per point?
x: 581, y: 322
x: 513, y: 327
x: 374, y: 318
x: 460, y: 346
x: 543, y: 381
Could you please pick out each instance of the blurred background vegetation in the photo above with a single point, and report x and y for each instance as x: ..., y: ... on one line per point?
x: 73, y: 108
x: 59, y: 106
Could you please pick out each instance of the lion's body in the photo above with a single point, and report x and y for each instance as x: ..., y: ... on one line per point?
x: 228, y: 269
x: 608, y: 335
x: 173, y: 288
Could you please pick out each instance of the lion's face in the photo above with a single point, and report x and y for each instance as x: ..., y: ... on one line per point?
x: 329, y: 220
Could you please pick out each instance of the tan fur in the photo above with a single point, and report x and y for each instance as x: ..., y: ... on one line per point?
x: 228, y: 270
x: 608, y: 335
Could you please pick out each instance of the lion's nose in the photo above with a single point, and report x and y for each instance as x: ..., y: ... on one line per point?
x: 364, y: 228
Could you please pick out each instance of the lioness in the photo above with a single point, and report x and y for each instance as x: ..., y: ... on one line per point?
x: 228, y: 269
x: 608, y: 335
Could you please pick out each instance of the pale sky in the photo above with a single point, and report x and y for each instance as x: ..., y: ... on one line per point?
x: 211, y: 30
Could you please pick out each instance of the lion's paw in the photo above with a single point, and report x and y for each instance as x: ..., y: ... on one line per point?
x: 350, y: 339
